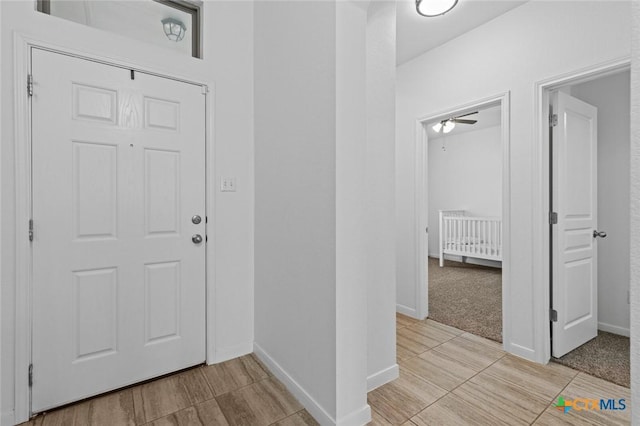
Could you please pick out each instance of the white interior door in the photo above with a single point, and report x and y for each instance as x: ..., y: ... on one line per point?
x: 118, y: 172
x: 574, y: 199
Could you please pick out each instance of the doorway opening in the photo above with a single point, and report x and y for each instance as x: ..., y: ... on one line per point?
x: 462, y: 204
x: 590, y: 225
x: 465, y: 223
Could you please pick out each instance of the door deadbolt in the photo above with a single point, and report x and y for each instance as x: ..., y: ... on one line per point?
x: 196, y: 219
x: 197, y: 239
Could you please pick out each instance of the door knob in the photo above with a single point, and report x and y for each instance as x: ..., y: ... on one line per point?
x: 196, y: 219
x: 599, y: 234
x: 197, y: 239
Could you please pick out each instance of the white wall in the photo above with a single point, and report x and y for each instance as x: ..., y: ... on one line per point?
x: 380, y: 187
x: 611, y: 95
x: 528, y: 44
x: 635, y: 214
x: 310, y: 141
x: 228, y: 61
x: 467, y: 176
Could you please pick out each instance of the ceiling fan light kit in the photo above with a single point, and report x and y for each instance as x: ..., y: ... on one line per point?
x: 449, y: 124
x: 431, y: 8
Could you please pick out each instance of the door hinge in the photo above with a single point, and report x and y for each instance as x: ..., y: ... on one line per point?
x: 30, y: 375
x: 30, y: 85
x: 553, y: 120
x: 30, y: 229
x: 553, y: 315
x: 205, y: 89
x: 553, y: 218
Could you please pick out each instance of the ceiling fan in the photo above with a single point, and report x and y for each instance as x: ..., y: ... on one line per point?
x: 448, y: 124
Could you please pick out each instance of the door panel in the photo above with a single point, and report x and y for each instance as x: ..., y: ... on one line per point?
x: 118, y: 171
x: 574, y: 198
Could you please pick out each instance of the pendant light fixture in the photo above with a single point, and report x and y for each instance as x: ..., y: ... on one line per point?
x: 431, y: 8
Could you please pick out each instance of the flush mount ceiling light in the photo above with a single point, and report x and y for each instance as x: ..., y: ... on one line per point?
x: 431, y: 8
x: 174, y: 29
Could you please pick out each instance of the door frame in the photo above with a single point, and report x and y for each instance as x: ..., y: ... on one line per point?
x: 23, y: 45
x: 421, y: 203
x: 541, y: 192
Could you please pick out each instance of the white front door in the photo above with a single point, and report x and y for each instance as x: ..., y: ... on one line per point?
x: 118, y: 170
x: 575, y: 200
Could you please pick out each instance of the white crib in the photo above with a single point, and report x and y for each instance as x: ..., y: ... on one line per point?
x: 462, y: 235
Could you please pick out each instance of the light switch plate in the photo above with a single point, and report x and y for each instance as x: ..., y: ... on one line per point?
x: 227, y: 184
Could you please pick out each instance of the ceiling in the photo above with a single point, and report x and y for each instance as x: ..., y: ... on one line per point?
x: 417, y: 34
x: 487, y: 117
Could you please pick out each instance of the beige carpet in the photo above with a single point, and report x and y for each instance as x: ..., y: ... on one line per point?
x: 469, y: 297
x: 466, y: 296
x: 606, y: 356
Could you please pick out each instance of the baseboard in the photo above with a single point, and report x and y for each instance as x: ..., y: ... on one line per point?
x: 405, y: 310
x: 8, y: 418
x: 382, y: 377
x: 613, y: 329
x: 230, y: 352
x: 522, y: 352
x: 312, y: 406
x: 357, y: 418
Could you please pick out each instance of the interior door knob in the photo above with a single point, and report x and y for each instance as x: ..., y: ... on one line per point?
x: 599, y: 234
x: 197, y: 239
x: 196, y: 219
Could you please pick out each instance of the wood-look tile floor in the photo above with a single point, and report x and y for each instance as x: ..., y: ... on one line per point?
x: 447, y: 377
x: 233, y: 393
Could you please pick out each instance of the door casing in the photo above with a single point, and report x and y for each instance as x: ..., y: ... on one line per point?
x: 541, y: 185
x: 23, y: 262
x: 421, y: 200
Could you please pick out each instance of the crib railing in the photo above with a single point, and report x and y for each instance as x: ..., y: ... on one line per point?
x: 479, y: 237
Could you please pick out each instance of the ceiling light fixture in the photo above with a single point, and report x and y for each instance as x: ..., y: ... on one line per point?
x: 448, y: 126
x: 437, y: 127
x: 174, y: 29
x: 431, y: 8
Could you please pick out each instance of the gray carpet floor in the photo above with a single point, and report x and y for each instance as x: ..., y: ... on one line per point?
x: 469, y: 297
x: 466, y: 296
x: 606, y: 356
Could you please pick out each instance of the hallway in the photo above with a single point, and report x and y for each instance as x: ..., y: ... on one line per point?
x: 449, y: 377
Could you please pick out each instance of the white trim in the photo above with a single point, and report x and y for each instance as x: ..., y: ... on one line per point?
x: 22, y: 65
x: 421, y: 216
x: 405, y: 310
x: 210, y: 219
x: 541, y: 207
x: 621, y: 331
x: 521, y: 351
x: 312, y: 406
x: 225, y: 354
x: 22, y: 126
x: 356, y: 418
x: 383, y: 377
x: 421, y: 200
